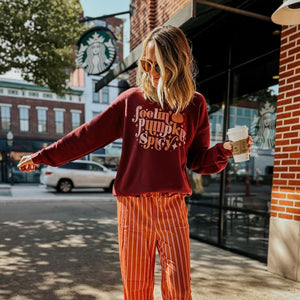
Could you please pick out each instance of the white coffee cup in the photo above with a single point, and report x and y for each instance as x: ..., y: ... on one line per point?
x: 239, y: 136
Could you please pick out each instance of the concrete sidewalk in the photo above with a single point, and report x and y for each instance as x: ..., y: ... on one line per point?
x: 215, y: 273
x: 219, y: 274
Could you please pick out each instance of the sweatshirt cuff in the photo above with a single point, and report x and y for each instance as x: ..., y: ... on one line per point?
x: 225, y: 152
x: 36, y: 157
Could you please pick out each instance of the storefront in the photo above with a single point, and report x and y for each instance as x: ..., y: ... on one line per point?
x: 11, y: 153
x: 249, y: 75
x: 238, y: 61
x: 237, y: 56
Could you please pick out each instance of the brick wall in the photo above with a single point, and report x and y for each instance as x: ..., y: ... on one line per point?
x: 148, y: 15
x: 285, y: 203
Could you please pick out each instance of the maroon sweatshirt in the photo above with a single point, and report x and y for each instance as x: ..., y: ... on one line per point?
x: 158, y: 144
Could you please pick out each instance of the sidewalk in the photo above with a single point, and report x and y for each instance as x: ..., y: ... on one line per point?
x: 216, y: 273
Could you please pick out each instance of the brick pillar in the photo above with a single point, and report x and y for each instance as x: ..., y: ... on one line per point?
x: 284, y: 237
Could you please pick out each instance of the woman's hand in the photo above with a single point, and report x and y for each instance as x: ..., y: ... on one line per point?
x: 26, y: 164
x: 228, y: 145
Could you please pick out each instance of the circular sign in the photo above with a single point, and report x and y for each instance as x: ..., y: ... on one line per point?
x: 96, y: 50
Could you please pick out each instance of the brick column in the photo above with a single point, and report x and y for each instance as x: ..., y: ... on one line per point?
x: 284, y: 237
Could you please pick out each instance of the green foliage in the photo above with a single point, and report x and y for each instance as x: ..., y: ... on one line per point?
x: 38, y: 37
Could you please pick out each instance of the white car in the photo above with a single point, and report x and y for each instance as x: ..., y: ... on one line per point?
x: 78, y: 174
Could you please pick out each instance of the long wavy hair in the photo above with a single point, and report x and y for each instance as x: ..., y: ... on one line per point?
x: 176, y: 85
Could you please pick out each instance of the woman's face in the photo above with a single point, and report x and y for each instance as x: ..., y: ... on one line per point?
x: 150, y: 55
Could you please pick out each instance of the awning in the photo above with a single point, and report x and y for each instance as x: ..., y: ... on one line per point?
x: 194, y: 15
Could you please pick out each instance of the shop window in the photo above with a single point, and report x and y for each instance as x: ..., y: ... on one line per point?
x: 231, y: 208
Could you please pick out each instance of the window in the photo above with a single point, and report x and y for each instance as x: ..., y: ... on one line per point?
x: 33, y: 94
x: 24, y: 118
x: 96, y: 96
x: 12, y: 92
x: 42, y: 120
x: 47, y: 95
x: 81, y: 166
x: 96, y: 113
x: 105, y: 95
x: 59, y: 121
x: 5, y: 117
x: 75, y: 119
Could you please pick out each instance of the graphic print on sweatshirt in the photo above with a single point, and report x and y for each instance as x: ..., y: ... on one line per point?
x: 159, y: 130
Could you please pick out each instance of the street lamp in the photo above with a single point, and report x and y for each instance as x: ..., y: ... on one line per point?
x: 10, y: 142
x: 10, y: 139
x: 288, y: 13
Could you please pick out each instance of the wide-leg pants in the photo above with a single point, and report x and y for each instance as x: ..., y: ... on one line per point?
x: 146, y: 223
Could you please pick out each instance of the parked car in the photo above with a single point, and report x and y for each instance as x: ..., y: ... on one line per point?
x: 78, y: 174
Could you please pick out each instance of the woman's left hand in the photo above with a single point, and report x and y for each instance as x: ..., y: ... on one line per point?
x: 228, y: 145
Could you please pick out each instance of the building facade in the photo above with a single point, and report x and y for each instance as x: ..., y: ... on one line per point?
x: 249, y: 74
x: 34, y: 117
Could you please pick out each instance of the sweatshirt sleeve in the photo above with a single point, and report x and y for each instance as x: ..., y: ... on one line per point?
x: 201, y: 158
x: 95, y: 134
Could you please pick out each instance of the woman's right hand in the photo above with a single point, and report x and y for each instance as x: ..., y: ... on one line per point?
x: 26, y: 164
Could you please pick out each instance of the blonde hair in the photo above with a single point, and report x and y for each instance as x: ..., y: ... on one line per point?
x: 174, y: 55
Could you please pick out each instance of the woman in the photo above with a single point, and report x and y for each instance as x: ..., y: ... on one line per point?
x: 164, y: 126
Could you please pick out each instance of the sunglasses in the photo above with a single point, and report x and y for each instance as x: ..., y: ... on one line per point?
x: 147, y: 65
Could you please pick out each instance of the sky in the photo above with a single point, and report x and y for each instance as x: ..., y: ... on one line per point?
x: 98, y: 8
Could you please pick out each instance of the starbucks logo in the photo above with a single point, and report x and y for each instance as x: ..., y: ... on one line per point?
x: 96, y: 50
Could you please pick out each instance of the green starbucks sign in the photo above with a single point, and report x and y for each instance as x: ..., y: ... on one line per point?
x: 96, y: 50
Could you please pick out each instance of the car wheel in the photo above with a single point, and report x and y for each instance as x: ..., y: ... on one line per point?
x: 110, y: 188
x: 64, y: 186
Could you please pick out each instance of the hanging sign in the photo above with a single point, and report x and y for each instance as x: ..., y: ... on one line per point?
x: 96, y: 50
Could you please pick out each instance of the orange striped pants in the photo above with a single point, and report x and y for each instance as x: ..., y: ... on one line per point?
x: 145, y: 223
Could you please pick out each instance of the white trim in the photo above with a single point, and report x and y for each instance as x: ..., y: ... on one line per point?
x: 4, y: 104
x: 59, y: 109
x: 23, y: 106
x: 76, y: 111
x: 41, y: 108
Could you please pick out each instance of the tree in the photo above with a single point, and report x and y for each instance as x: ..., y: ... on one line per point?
x: 38, y: 37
